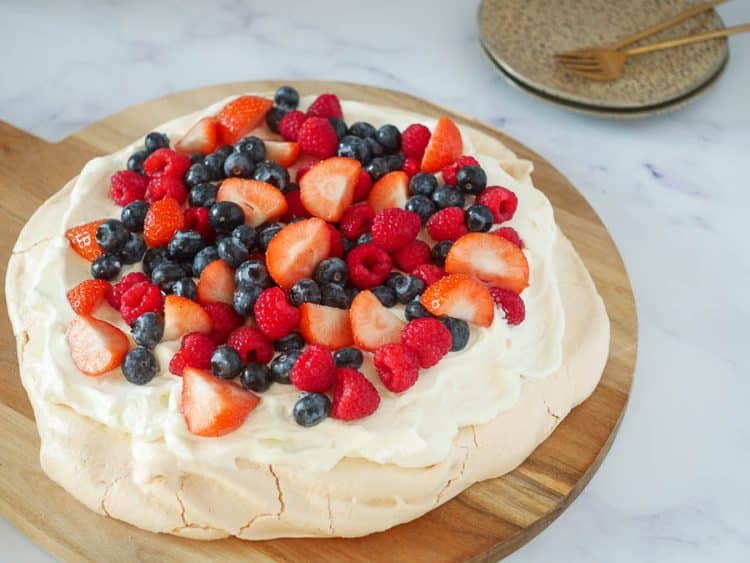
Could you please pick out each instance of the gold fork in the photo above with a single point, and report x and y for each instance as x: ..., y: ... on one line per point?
x: 605, y: 63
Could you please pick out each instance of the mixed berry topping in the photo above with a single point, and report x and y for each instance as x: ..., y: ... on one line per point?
x: 281, y: 247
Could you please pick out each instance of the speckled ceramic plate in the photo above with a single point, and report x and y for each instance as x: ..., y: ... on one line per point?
x: 522, y: 37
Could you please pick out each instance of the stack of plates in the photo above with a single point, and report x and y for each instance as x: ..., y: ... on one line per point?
x: 521, y: 37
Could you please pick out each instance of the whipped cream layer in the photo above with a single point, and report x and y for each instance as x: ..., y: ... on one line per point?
x: 412, y: 429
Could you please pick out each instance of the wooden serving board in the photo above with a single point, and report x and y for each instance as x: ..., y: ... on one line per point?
x: 486, y: 522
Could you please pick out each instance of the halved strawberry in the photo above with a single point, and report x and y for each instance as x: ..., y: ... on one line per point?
x: 95, y: 346
x: 86, y: 297
x: 211, y: 406
x: 327, y: 326
x: 296, y: 250
x: 373, y: 325
x: 82, y: 240
x: 327, y: 189
x: 462, y: 297
x: 216, y: 284
x: 203, y: 138
x: 183, y: 316
x: 392, y: 190
x: 240, y: 116
x: 444, y: 148
x: 282, y: 153
x: 491, y: 259
x: 260, y: 201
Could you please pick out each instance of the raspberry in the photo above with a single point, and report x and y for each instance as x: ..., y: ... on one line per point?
x: 127, y: 186
x: 317, y: 137
x: 411, y: 166
x: 428, y: 273
x: 356, y: 220
x: 447, y: 224
x: 509, y: 233
x: 294, y: 205
x: 337, y: 245
x: 395, y: 228
x: 163, y: 219
x: 224, y: 320
x: 177, y: 364
x: 325, y: 105
x: 362, y: 189
x: 429, y: 339
x: 501, y: 201
x: 450, y: 171
x: 275, y: 316
x: 160, y: 187
x: 290, y: 124
x: 251, y: 344
x: 86, y: 297
x: 353, y: 395
x: 414, y: 254
x: 196, y: 350
x: 304, y: 168
x: 144, y: 297
x: 314, y: 370
x: 414, y: 140
x: 511, y: 303
x: 397, y: 367
x: 166, y: 162
x: 196, y: 219
x: 114, y: 297
x: 369, y: 265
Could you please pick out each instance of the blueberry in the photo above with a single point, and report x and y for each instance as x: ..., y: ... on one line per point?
x: 133, y: 250
x: 139, y: 366
x: 111, y: 235
x: 244, y: 298
x: 148, y: 330
x: 423, y: 183
x: 448, y: 196
x: 335, y: 295
x: 422, y: 206
x: 214, y: 163
x: 292, y: 341
x: 253, y: 272
x: 232, y: 251
x: 332, y: 270
x: 377, y: 168
x: 479, y: 218
x: 202, y: 195
x: 197, y: 174
x: 304, y: 291
x: 375, y: 148
x: 135, y: 162
x: 106, y: 267
x: 185, y: 245
x: 226, y: 362
x: 154, y: 141
x: 246, y: 235
x: 253, y: 147
x: 290, y: 187
x: 224, y: 150
x: 266, y: 234
x: 348, y: 358
x: 407, y: 288
x: 281, y: 366
x: 196, y: 157
x: 395, y: 161
x: 203, y: 259
x: 273, y: 117
x: 271, y: 173
x: 339, y: 126
x: 286, y: 97
x: 392, y: 278
x: 256, y: 377
x: 224, y: 216
x: 459, y: 330
x: 311, y: 409
x: 389, y: 137
x: 133, y: 215
x: 385, y: 295
x: 365, y: 238
x: 415, y: 310
x: 353, y: 147
x: 166, y: 274
x: 347, y: 244
x: 440, y: 251
x: 471, y: 179
x: 362, y: 129
x: 185, y: 287
x: 152, y: 258
x: 238, y: 165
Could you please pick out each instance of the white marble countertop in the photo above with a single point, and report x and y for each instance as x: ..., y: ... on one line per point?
x: 671, y: 189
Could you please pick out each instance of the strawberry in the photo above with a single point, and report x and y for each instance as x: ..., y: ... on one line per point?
x: 216, y: 284
x: 325, y: 105
x: 240, y: 116
x: 327, y: 326
x: 363, y: 187
x: 260, y: 201
x: 460, y: 296
x: 163, y: 219
x: 95, y: 346
x: 392, y: 190
x: 203, y: 138
x: 317, y: 137
x: 183, y: 316
x: 282, y: 153
x: 328, y: 188
x: 353, y: 395
x: 490, y: 258
x: 82, y: 240
x: 296, y: 250
x: 211, y: 406
x: 294, y: 207
x: 87, y: 296
x: 373, y: 325
x: 444, y: 148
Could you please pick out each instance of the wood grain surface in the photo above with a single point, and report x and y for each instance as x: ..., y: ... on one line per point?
x: 486, y: 522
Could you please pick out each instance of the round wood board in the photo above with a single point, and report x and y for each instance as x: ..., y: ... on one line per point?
x: 486, y: 522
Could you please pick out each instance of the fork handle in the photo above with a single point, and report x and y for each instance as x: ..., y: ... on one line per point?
x: 666, y: 24
x: 687, y: 40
